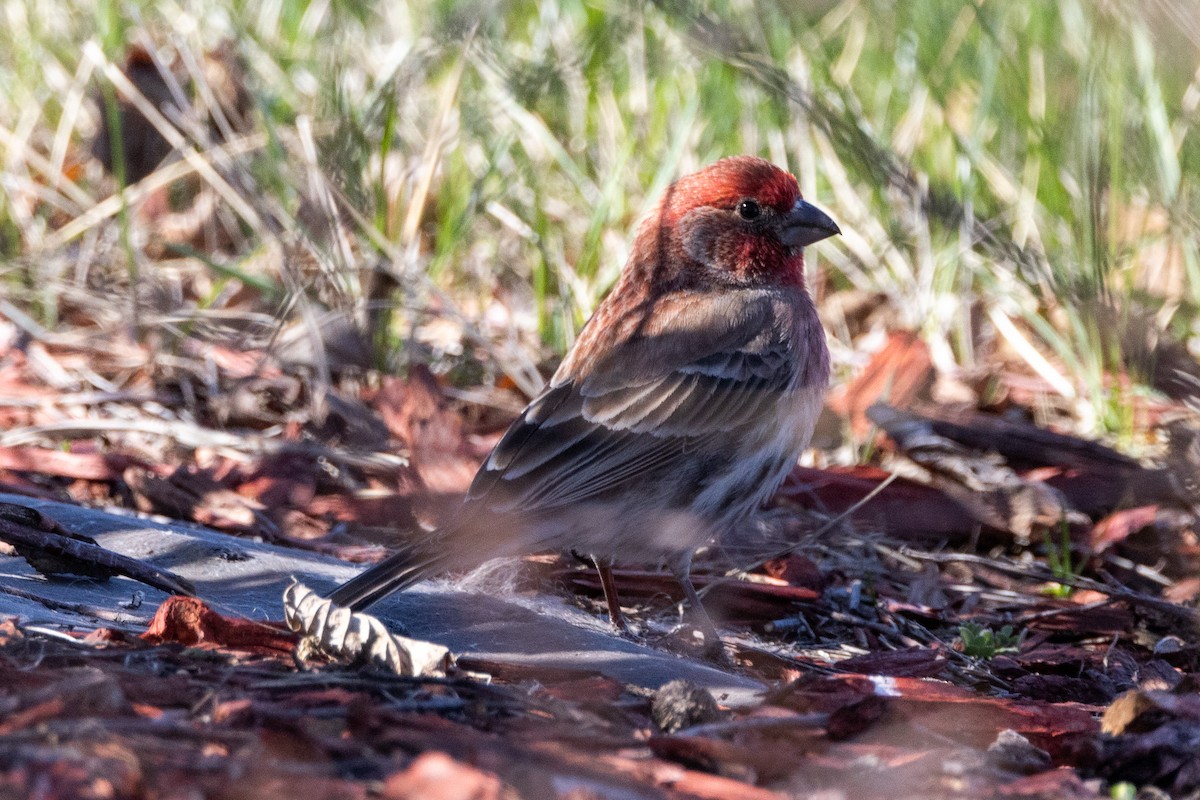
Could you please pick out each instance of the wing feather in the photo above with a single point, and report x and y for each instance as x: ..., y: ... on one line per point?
x: 587, y: 436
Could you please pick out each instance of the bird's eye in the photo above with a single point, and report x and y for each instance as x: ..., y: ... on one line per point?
x: 749, y: 209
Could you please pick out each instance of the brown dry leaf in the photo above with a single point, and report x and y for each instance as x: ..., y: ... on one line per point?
x: 900, y: 374
x: 417, y: 413
x: 1119, y: 525
x: 189, y: 621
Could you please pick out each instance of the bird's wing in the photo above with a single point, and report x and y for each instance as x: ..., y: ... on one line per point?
x: 638, y: 412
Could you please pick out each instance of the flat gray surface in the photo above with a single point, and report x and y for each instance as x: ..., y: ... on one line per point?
x: 242, y: 577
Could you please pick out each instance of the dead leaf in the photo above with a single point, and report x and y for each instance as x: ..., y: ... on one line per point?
x: 190, y: 622
x: 356, y: 637
x: 899, y: 374
x: 417, y: 413
x: 1120, y: 525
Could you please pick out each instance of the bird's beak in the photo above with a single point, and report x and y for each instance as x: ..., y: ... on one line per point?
x: 806, y: 224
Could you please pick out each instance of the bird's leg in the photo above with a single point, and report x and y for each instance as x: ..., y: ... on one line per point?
x: 703, y: 620
x: 604, y: 567
x: 683, y: 574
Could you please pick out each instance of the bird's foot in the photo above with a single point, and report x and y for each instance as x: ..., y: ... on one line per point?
x: 715, y: 652
x: 694, y: 641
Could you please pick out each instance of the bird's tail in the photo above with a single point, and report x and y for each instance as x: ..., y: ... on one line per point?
x: 398, y: 571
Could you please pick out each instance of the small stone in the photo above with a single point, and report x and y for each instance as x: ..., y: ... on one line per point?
x: 681, y: 704
x: 1168, y: 645
x: 1013, y: 752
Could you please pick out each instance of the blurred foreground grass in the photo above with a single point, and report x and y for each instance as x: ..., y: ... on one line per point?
x: 1018, y: 179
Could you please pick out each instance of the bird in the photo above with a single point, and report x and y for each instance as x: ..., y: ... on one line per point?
x: 685, y: 401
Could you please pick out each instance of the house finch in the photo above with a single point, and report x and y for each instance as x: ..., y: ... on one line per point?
x: 686, y: 400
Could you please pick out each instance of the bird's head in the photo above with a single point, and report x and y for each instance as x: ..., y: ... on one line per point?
x: 740, y: 221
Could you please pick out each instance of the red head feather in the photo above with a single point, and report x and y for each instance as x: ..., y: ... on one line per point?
x: 729, y: 180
